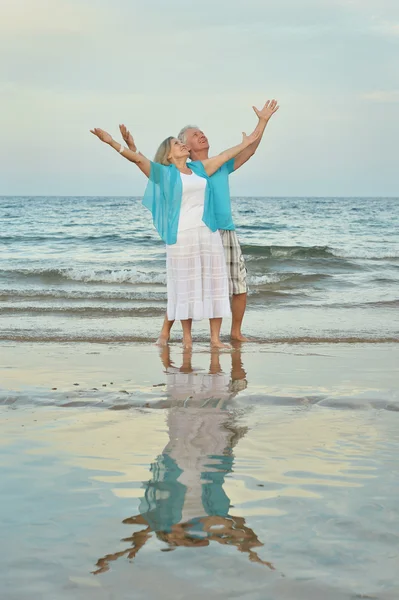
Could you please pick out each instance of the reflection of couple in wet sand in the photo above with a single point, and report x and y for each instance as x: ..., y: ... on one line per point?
x: 191, y: 211
x: 184, y: 502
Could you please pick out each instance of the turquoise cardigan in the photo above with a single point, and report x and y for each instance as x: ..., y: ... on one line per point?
x: 163, y: 502
x: 163, y: 196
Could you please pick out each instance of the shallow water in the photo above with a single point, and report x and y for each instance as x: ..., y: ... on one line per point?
x: 261, y: 474
x: 92, y: 268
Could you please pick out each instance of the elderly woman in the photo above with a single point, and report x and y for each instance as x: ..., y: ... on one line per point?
x: 183, y: 211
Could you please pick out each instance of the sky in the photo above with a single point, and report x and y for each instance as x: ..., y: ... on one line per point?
x: 69, y: 65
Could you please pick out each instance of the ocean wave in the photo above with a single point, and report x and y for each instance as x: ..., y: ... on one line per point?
x: 288, y: 251
x: 89, y: 275
x: 86, y: 311
x: 383, y: 304
x: 323, y: 252
x: 111, y: 238
x: 357, y: 254
x: 265, y: 227
x: 285, y: 279
x: 129, y: 276
x: 93, y: 294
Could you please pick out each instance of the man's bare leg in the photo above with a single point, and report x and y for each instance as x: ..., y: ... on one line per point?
x: 238, y: 305
x: 165, y: 332
x: 215, y: 326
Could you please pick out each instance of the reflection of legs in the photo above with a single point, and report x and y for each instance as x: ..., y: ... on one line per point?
x: 215, y: 367
x: 238, y: 305
x: 138, y: 540
x: 237, y: 369
x: 234, y: 532
x: 215, y: 326
x: 186, y: 366
x: 187, y: 339
x: 165, y: 332
x: 165, y: 357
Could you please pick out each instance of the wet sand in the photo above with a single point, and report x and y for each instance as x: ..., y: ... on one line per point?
x: 270, y: 472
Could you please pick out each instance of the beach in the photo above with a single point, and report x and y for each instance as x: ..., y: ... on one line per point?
x: 296, y: 444
x: 268, y: 471
x: 255, y: 458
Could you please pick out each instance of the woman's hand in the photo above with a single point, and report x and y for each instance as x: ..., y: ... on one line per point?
x: 102, y: 135
x: 247, y: 140
x: 128, y: 138
x: 137, y: 158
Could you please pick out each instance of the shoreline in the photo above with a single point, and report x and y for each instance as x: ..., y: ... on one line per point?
x: 132, y: 375
x: 200, y: 341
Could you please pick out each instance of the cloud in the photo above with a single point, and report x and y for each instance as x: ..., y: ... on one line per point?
x: 382, y: 96
x: 68, y: 65
x: 53, y: 17
x: 386, y: 28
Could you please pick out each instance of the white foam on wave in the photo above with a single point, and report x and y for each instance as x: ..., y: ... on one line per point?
x: 268, y: 278
x: 363, y: 253
x: 132, y: 275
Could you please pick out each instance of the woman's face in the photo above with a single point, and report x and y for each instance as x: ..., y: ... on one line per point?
x: 177, y: 150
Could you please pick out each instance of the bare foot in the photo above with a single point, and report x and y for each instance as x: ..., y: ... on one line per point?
x: 187, y: 343
x: 162, y: 341
x: 217, y: 344
x: 239, y: 338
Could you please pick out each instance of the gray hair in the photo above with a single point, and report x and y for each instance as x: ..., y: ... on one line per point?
x: 182, y: 134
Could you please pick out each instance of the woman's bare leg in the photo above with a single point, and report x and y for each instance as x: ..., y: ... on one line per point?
x: 187, y: 339
x: 165, y: 332
x: 215, y: 326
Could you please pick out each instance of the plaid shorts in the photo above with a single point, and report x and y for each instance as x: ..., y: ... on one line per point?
x: 236, y: 269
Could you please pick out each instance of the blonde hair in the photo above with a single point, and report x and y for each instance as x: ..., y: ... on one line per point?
x: 161, y: 155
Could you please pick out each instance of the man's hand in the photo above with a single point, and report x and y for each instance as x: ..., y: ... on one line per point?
x: 247, y: 140
x: 263, y: 115
x: 267, y: 111
x: 127, y: 136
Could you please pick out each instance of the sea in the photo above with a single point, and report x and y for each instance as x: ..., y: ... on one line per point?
x: 93, y: 269
x: 266, y: 472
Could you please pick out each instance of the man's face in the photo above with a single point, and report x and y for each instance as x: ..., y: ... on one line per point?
x: 196, y: 140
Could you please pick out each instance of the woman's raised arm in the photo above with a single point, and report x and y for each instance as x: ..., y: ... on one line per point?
x: 211, y: 165
x: 135, y: 157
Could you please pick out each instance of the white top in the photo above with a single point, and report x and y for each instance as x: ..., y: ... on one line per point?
x: 192, y: 202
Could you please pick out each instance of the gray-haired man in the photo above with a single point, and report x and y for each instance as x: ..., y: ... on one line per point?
x: 198, y: 145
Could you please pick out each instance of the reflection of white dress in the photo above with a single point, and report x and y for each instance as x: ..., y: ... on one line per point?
x: 198, y: 388
x: 198, y: 439
x: 197, y: 430
x: 196, y: 266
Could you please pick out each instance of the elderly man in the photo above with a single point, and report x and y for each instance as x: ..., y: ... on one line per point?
x: 198, y: 145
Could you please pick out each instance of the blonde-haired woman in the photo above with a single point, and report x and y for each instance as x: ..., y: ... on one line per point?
x: 182, y: 206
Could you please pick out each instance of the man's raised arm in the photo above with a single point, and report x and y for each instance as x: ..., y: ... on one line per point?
x: 264, y: 115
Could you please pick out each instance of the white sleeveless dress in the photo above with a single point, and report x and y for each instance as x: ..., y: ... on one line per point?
x: 196, y: 267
